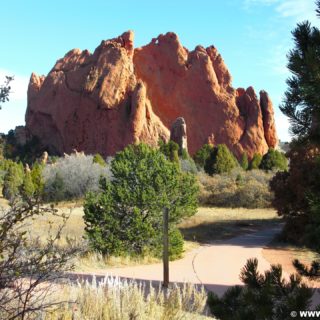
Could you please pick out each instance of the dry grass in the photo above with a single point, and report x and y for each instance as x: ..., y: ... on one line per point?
x: 249, y: 189
x: 207, y: 225
x: 118, y: 300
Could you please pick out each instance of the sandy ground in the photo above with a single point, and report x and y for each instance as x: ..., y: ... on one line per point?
x: 216, y: 266
x: 274, y: 254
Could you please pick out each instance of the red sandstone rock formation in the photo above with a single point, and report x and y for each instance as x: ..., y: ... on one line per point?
x: 118, y: 95
x: 178, y: 134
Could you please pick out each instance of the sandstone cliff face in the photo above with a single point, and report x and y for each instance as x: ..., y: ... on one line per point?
x: 118, y: 95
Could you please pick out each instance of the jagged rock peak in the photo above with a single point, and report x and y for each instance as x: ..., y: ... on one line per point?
x: 102, y: 101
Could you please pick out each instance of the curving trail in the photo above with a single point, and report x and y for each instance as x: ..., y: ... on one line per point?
x: 216, y: 266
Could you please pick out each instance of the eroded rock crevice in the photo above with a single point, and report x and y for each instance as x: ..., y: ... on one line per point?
x: 122, y: 95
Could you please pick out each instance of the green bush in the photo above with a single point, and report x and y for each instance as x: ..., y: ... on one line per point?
x: 202, y: 155
x: 13, y: 180
x: 28, y: 187
x: 221, y: 160
x: 263, y: 296
x: 248, y: 189
x: 125, y: 217
x: 97, y: 158
x: 274, y: 160
x: 244, y: 162
x: 175, y: 244
x: 255, y: 161
x: 170, y: 150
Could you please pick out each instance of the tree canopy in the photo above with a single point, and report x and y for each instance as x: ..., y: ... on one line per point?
x: 302, y: 100
x: 126, y: 216
x: 221, y: 160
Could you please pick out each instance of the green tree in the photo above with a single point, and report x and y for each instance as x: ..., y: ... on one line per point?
x: 202, y: 155
x: 302, y: 101
x: 255, y: 162
x: 170, y: 150
x: 125, y: 217
x: 263, y: 296
x: 37, y: 179
x: 297, y: 190
x: 221, y: 160
x: 28, y: 188
x: 99, y: 160
x: 244, y: 162
x: 13, y: 180
x: 274, y: 159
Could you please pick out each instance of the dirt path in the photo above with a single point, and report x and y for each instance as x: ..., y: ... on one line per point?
x: 216, y: 266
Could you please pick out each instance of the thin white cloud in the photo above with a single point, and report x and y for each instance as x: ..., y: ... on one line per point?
x: 298, y: 10
x: 278, y: 60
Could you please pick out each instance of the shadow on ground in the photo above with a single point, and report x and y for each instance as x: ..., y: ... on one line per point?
x: 206, y: 233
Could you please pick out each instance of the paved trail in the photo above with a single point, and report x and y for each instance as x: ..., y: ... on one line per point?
x: 216, y: 266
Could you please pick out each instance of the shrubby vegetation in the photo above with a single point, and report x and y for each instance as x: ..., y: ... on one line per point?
x: 188, y: 165
x: 202, y: 155
x: 220, y: 160
x: 97, y: 158
x: 130, y: 300
x: 244, y: 162
x: 15, y: 180
x: 263, y: 296
x: 126, y: 217
x: 255, y: 161
x: 29, y: 267
x: 239, y: 188
x: 72, y: 176
x: 274, y: 160
x: 170, y: 150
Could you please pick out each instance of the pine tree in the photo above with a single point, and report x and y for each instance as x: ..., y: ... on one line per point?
x: 302, y: 100
x: 28, y: 188
x: 221, y: 160
x: 244, y: 162
x: 126, y: 216
x: 298, y: 190
x: 274, y: 159
x: 202, y: 155
x: 255, y: 162
x: 13, y: 180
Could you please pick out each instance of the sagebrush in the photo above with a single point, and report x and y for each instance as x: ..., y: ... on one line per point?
x: 239, y: 188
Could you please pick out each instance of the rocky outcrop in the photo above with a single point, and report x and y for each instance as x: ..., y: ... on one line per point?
x: 101, y: 102
x: 268, y: 119
x: 178, y: 134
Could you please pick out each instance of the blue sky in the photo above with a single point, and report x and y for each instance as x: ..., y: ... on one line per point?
x: 253, y: 37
